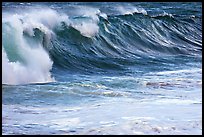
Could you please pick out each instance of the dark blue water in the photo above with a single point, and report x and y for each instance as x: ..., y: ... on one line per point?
x: 102, y: 68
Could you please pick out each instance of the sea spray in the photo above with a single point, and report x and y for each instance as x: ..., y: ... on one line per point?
x: 33, y: 64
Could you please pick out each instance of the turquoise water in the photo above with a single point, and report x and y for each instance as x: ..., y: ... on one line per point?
x: 101, y: 68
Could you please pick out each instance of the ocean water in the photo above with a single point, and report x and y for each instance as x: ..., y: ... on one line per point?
x: 102, y: 68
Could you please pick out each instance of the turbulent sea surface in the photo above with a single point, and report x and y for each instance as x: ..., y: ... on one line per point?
x: 102, y: 68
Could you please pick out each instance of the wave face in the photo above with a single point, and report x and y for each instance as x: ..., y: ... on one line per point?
x: 95, y: 39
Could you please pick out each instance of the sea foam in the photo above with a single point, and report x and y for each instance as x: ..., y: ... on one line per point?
x: 35, y: 63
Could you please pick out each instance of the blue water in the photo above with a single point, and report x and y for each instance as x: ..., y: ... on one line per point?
x: 102, y: 68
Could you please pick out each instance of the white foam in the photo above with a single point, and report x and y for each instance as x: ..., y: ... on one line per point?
x: 89, y: 27
x: 164, y: 14
x: 103, y: 15
x: 47, y: 17
x: 37, y: 65
x: 195, y: 70
x: 14, y: 73
x: 125, y: 10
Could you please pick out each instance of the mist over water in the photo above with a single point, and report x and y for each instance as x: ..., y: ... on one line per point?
x: 101, y: 68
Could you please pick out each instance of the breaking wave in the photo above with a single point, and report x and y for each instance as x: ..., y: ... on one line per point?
x: 92, y: 41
